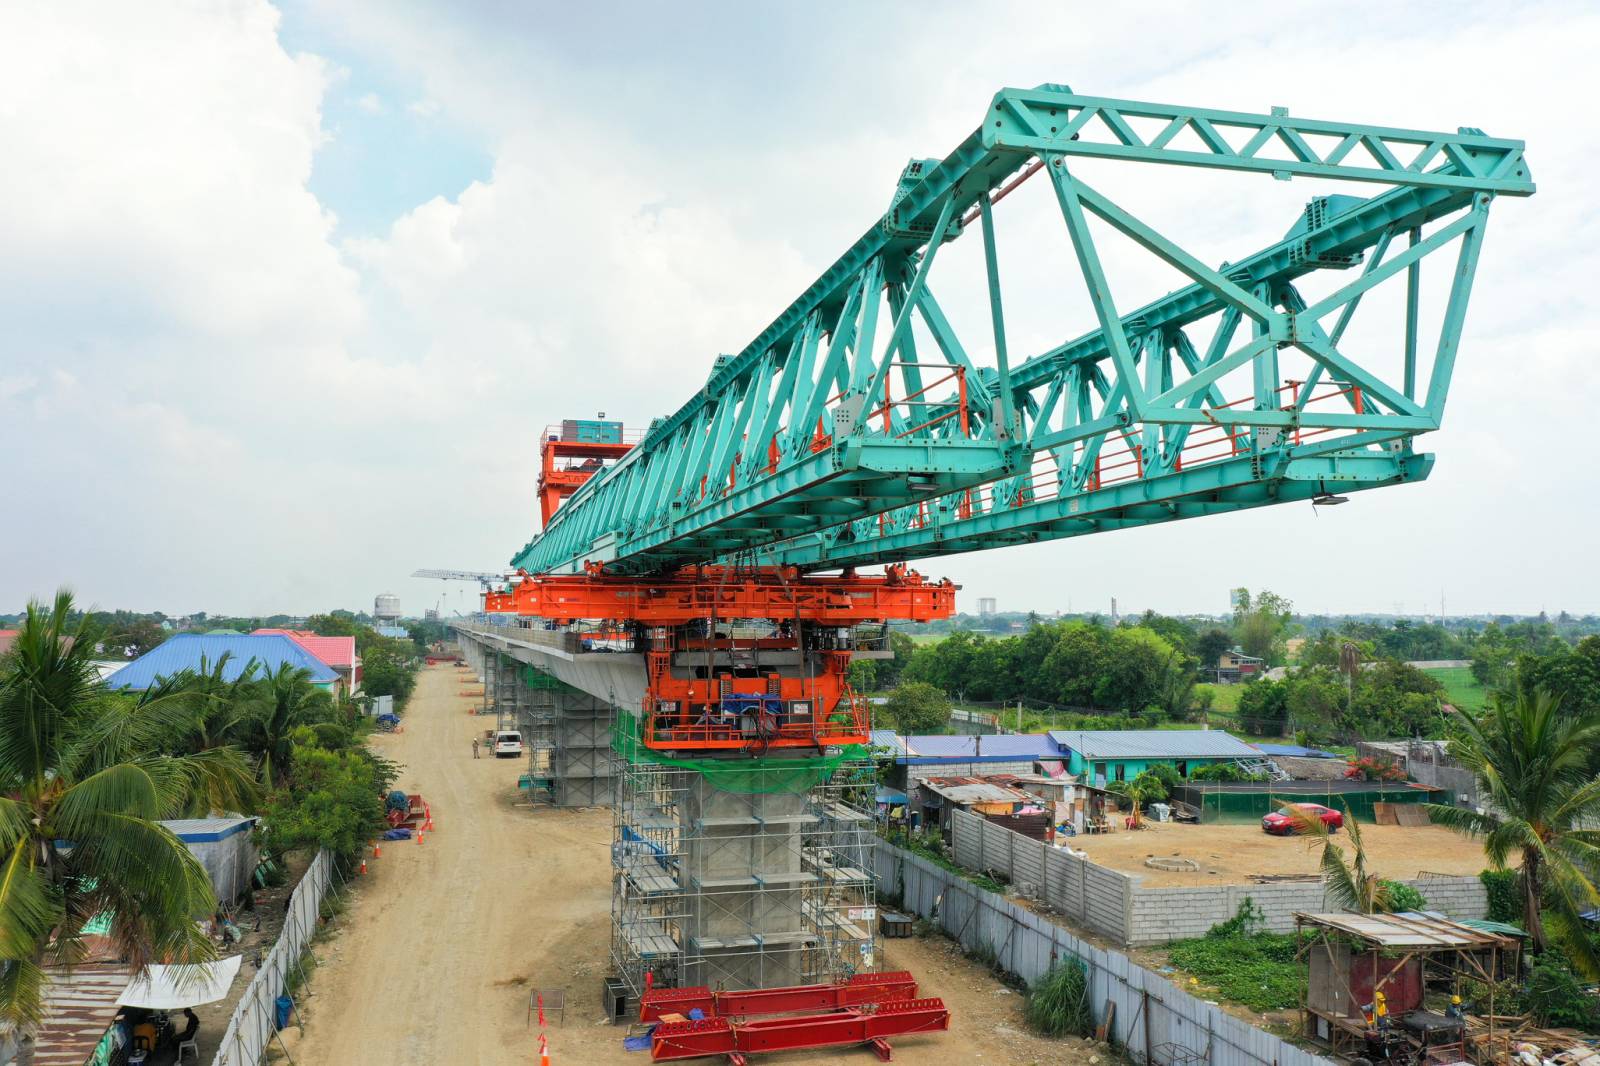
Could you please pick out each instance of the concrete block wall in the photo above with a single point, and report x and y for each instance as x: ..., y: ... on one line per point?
x: 1178, y: 913
x: 1118, y: 906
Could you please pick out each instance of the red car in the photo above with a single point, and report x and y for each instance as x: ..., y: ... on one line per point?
x: 1281, y: 821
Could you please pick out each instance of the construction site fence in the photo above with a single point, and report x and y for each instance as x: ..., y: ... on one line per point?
x: 255, y: 1019
x: 1153, y: 1020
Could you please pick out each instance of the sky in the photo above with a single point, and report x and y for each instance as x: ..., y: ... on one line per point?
x: 288, y: 293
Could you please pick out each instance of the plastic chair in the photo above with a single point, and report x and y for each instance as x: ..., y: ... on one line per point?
x: 192, y: 1044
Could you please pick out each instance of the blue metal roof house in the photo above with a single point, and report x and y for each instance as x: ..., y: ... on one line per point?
x: 187, y: 650
x: 1106, y: 755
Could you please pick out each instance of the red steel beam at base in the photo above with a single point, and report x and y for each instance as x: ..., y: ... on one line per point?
x: 708, y: 1037
x: 859, y: 990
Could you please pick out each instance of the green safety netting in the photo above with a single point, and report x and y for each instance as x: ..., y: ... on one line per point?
x: 744, y: 774
x: 538, y: 679
x: 1219, y: 805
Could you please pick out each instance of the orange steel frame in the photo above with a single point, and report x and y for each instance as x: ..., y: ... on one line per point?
x: 557, y: 482
x: 720, y: 710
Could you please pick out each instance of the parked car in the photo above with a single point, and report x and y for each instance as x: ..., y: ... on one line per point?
x: 507, y: 743
x: 1281, y: 821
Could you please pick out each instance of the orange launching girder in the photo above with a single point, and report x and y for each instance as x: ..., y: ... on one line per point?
x: 694, y: 593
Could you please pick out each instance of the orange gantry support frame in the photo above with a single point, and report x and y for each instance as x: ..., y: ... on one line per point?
x: 572, y: 453
x: 736, y: 659
x: 726, y: 593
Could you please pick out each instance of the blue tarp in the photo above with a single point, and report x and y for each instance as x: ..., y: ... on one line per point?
x: 1295, y: 750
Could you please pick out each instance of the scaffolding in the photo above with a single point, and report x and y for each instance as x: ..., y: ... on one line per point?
x: 744, y: 875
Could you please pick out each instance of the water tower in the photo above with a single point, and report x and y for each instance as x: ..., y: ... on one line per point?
x: 386, y: 608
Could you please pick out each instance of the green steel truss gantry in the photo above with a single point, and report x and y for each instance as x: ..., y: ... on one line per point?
x: 801, y: 450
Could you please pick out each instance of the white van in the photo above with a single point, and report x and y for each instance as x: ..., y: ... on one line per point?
x: 508, y: 743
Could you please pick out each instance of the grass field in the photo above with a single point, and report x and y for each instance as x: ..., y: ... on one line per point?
x: 1461, y: 688
x: 1223, y: 697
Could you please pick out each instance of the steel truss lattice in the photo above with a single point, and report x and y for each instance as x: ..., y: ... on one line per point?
x: 861, y: 426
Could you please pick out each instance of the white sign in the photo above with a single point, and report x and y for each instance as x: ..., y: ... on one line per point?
x: 863, y: 914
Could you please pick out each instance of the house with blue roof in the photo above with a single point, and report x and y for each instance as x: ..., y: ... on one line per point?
x: 1105, y: 755
x: 919, y: 757
x: 202, y: 651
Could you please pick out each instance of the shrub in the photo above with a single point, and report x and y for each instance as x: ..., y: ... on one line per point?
x: 1223, y: 771
x: 1370, y: 769
x: 1248, y: 920
x: 1505, y: 898
x: 1556, y: 997
x: 1058, y: 1003
x: 1258, y: 970
x: 1404, y: 897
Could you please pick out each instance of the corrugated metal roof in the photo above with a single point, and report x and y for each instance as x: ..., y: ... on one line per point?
x: 1006, y: 746
x: 1408, y: 929
x: 1154, y: 744
x: 335, y: 651
x: 79, y: 1008
x: 1299, y: 751
x: 185, y: 651
x: 195, y: 830
x: 886, y: 738
x: 975, y: 790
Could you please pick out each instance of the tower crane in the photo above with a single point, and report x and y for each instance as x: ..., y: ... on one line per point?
x: 861, y: 427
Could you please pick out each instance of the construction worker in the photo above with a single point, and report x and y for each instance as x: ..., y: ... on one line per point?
x: 1455, y: 1009
x: 474, y: 747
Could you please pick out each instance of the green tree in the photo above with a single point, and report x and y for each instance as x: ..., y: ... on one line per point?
x: 333, y: 797
x: 78, y: 764
x: 916, y: 707
x: 1264, y: 708
x: 1532, y: 765
x: 1209, y: 646
x: 1260, y: 624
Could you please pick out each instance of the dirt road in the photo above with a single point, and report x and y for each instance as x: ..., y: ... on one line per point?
x: 435, y: 959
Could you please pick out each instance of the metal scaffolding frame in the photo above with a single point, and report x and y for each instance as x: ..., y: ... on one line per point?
x: 741, y: 889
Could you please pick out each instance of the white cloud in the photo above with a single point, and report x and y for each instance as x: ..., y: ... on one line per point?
x: 371, y: 103
x: 423, y: 108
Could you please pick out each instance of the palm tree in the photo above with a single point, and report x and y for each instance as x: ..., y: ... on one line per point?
x: 219, y: 707
x: 81, y: 798
x: 1349, y: 664
x: 289, y: 700
x: 1350, y: 884
x: 1540, y: 806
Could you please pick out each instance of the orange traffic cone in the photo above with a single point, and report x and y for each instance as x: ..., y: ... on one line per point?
x: 419, y: 836
x: 377, y: 850
x: 363, y: 870
x: 544, y: 1050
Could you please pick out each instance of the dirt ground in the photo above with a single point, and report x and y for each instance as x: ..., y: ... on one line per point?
x: 1231, y: 853
x: 435, y: 959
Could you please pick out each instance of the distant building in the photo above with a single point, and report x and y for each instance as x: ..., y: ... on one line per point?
x: 7, y: 636
x: 337, y: 652
x: 1102, y: 756
x: 197, y: 651
x: 1234, y: 666
x: 395, y: 632
x: 986, y: 606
